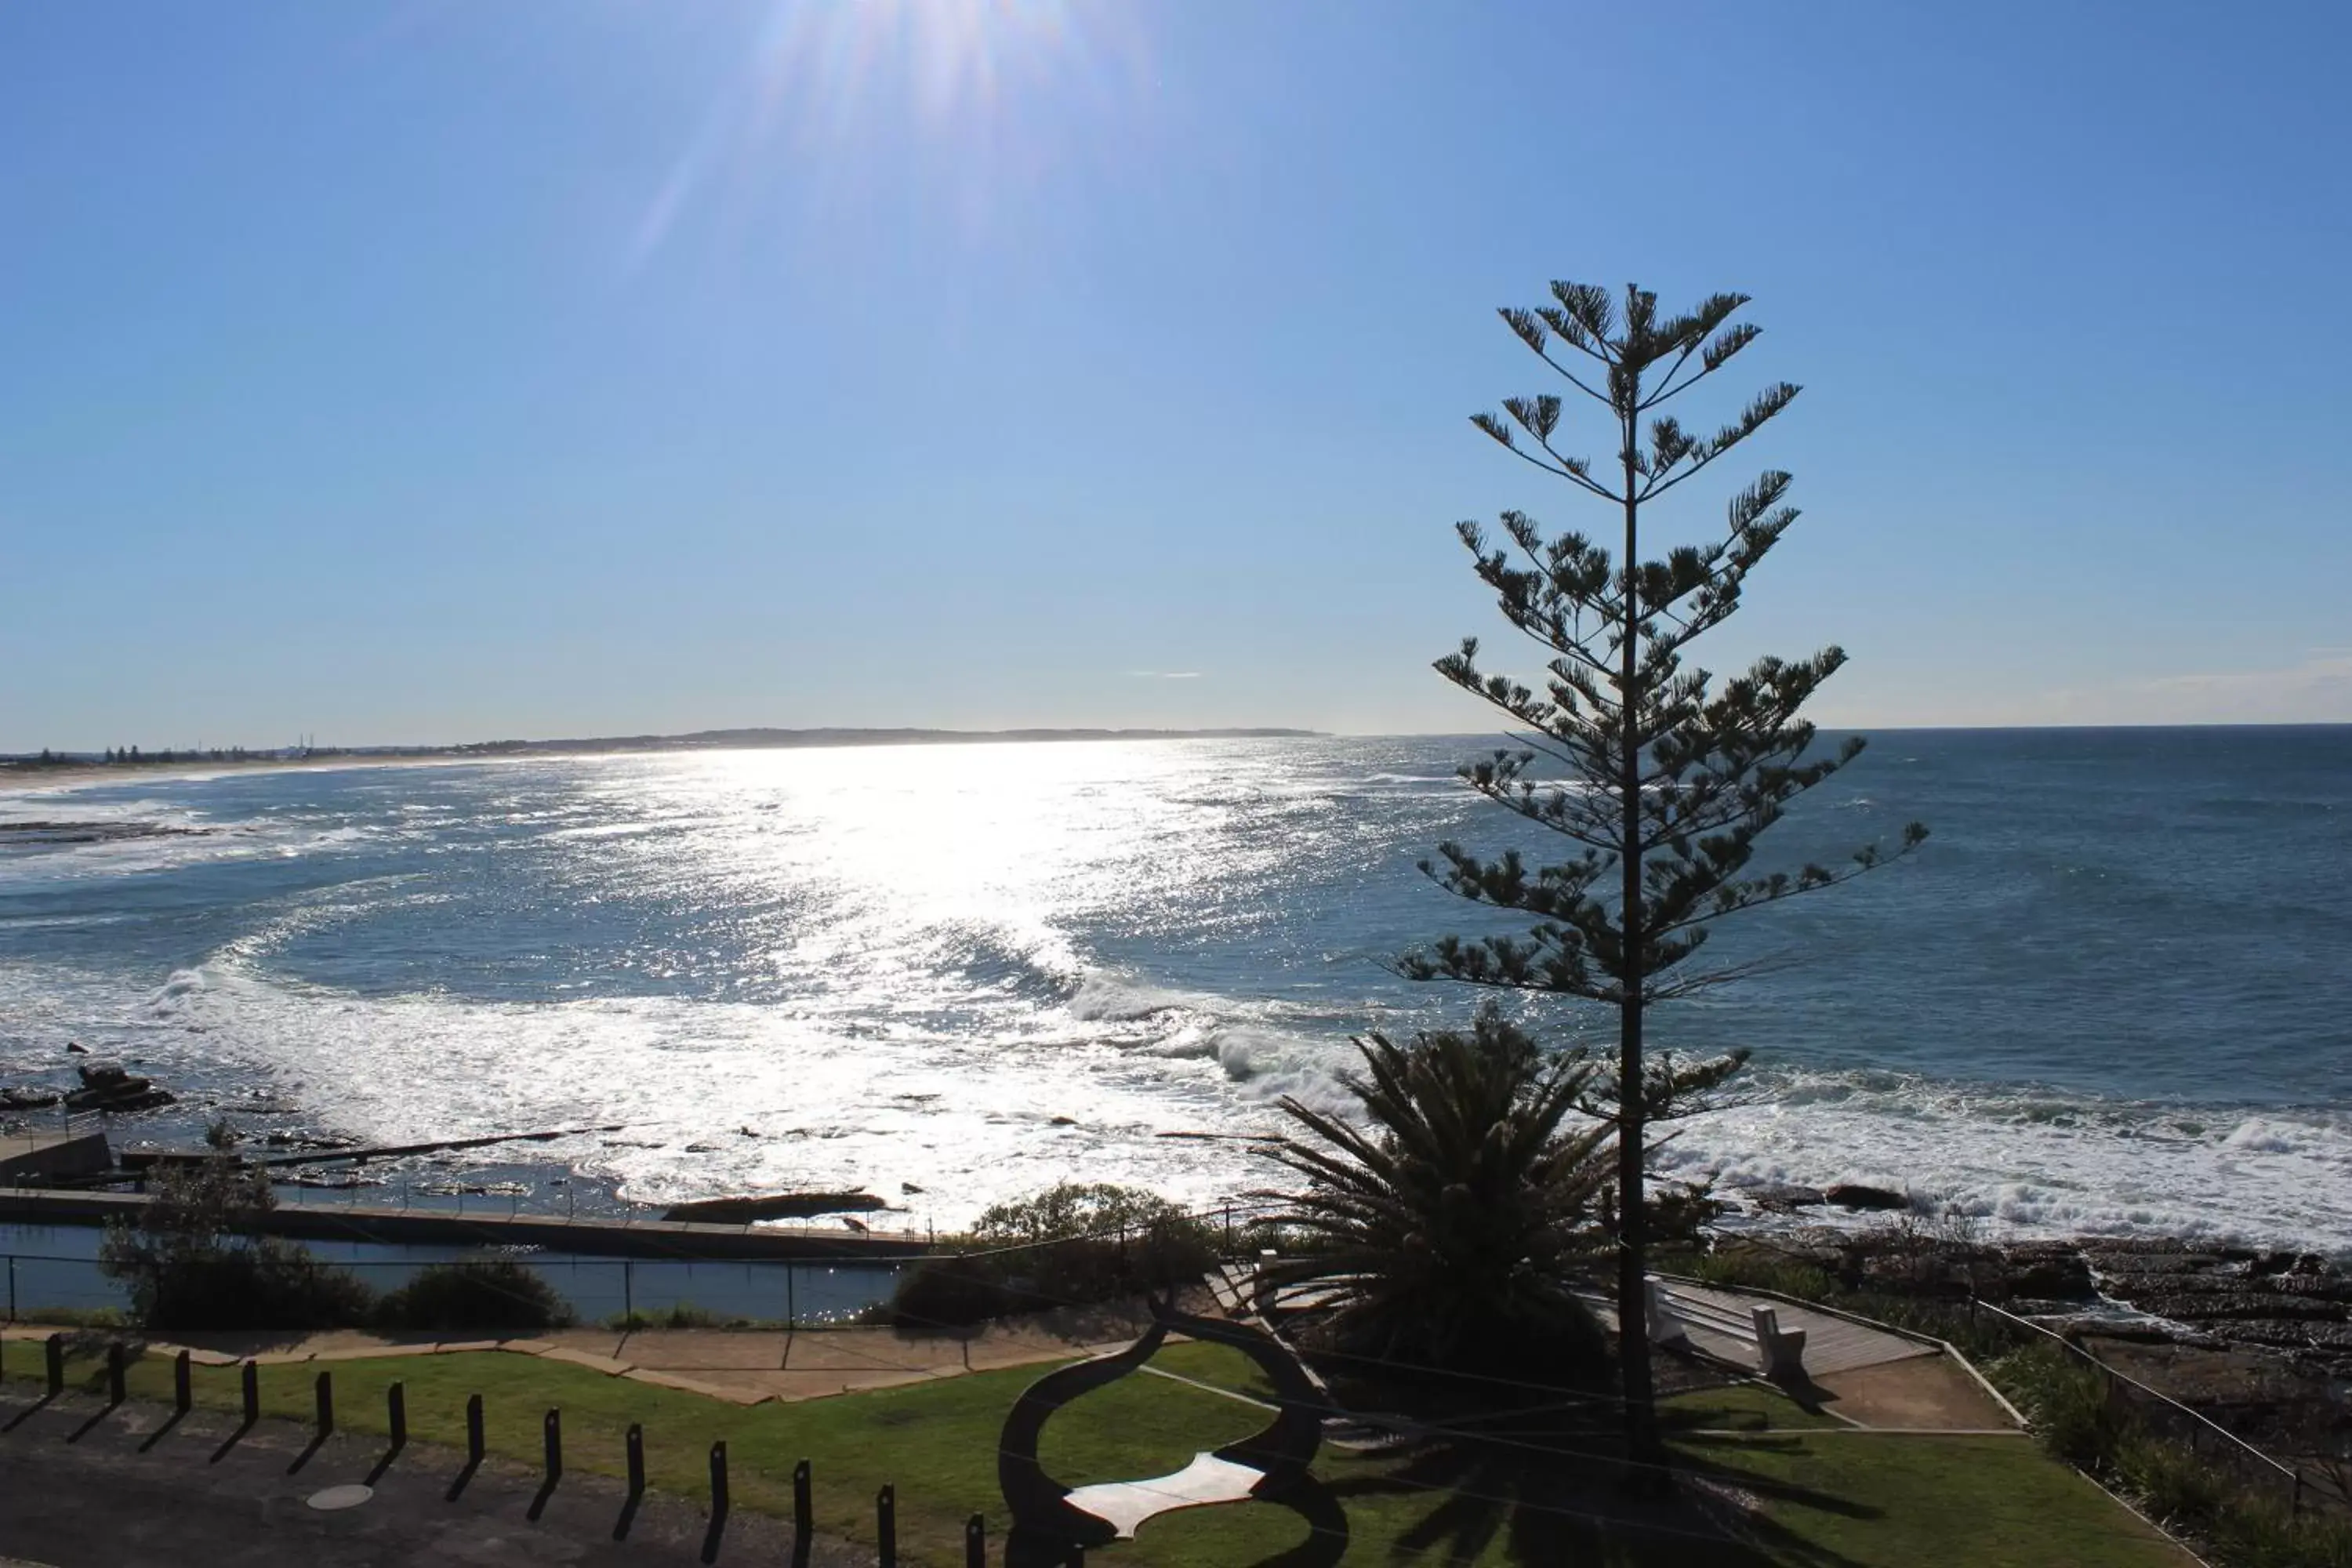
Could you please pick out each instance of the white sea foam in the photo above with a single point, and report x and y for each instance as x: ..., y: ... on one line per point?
x: 895, y: 968
x: 2033, y: 1163
x: 832, y: 1107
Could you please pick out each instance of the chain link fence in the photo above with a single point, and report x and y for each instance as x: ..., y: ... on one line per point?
x: 597, y: 1289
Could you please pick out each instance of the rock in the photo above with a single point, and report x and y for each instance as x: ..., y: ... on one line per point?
x: 111, y: 1088
x: 2050, y: 1274
x: 909, y: 1188
x: 773, y: 1205
x: 1779, y: 1197
x: 2273, y: 1333
x: 75, y: 1049
x: 1064, y: 1121
x: 1854, y: 1195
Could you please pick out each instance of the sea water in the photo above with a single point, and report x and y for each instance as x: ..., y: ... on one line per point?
x: 2113, y: 993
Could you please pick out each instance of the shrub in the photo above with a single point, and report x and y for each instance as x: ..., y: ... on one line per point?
x: 2066, y: 1401
x: 682, y: 1315
x: 951, y: 1292
x: 475, y: 1293
x: 2232, y: 1524
x: 1072, y: 1245
x: 191, y: 1262
x: 258, y: 1284
x: 1764, y: 1271
x: 1079, y: 1209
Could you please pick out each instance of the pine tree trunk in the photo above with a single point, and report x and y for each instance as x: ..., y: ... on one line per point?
x: 1632, y: 1246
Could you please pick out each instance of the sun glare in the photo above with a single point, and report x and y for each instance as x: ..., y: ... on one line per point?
x: 973, y: 80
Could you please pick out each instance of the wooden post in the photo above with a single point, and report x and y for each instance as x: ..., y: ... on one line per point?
x: 114, y: 1392
x: 395, y: 1401
x: 804, y: 1516
x: 886, y: 1524
x: 326, y: 1391
x: 474, y: 1429
x: 718, y: 1480
x: 182, y: 1394
x: 634, y: 1443
x: 976, y: 1541
x: 250, y: 1375
x: 55, y: 1347
x: 552, y: 1429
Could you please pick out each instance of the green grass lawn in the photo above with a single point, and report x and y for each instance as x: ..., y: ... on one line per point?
x: 1826, y: 1497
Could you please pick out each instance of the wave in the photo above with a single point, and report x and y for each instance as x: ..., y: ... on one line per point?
x: 975, y: 1118
x: 1111, y: 999
x: 2032, y: 1163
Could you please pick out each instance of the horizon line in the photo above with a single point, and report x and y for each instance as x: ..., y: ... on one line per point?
x: 717, y: 739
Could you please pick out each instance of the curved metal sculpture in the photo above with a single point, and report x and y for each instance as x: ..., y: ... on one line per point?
x: 1271, y: 1466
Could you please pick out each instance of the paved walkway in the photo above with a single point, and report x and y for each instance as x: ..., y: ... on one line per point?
x: 1867, y: 1376
x: 740, y: 1365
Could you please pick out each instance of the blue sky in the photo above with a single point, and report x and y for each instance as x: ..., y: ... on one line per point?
x: 422, y: 371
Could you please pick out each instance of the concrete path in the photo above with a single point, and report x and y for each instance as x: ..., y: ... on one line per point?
x: 741, y: 1366
x: 1918, y: 1393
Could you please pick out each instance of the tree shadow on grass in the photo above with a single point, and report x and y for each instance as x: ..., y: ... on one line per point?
x: 1553, y: 1494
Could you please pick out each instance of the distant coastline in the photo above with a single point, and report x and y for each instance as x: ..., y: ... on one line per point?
x: 760, y: 739
x: 76, y: 768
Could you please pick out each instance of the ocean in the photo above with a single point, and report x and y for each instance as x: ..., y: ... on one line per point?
x: 2112, y: 993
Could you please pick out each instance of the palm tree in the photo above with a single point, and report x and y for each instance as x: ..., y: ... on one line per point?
x: 1450, y: 1225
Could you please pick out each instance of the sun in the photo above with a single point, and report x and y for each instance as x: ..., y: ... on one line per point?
x: 827, y: 80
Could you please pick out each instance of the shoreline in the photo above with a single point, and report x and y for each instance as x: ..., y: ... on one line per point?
x: 33, y: 779
x: 32, y: 776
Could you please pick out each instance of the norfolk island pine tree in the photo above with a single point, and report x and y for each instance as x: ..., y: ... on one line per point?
x: 1664, y: 779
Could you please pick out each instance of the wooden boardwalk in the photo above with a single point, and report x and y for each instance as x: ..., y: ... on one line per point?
x: 1832, y: 1343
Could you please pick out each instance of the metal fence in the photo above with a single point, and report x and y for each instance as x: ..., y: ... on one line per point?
x: 2169, y: 1419
x: 597, y: 1289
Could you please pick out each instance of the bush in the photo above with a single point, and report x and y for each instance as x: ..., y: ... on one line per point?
x: 191, y: 1263
x: 475, y: 1293
x: 2065, y: 1400
x: 1759, y: 1270
x: 260, y: 1284
x: 683, y: 1315
x: 951, y: 1292
x: 1079, y: 1209
x: 2233, y: 1525
x: 1072, y: 1245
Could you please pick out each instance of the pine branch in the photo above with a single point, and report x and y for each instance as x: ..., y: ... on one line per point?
x: 1501, y: 433
x: 1767, y: 402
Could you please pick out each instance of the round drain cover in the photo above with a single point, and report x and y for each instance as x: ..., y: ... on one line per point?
x: 335, y: 1497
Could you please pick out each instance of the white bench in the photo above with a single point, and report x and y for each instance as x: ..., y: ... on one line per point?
x: 1779, y: 1353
